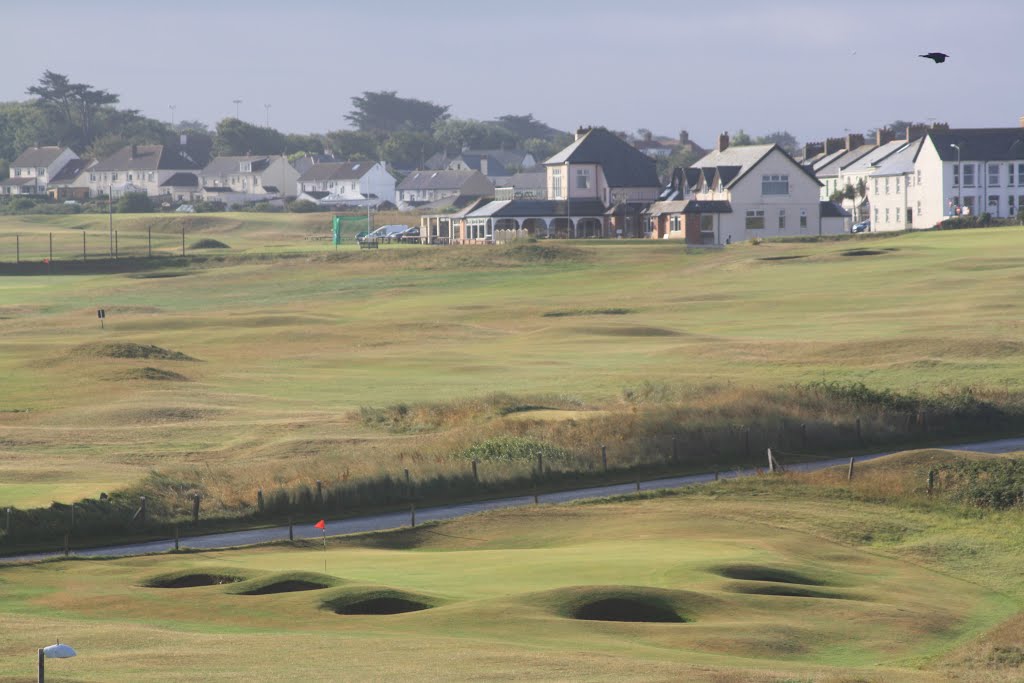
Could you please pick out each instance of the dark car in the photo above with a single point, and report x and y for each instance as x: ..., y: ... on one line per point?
x: 412, y: 235
x: 386, y: 233
x: 863, y: 226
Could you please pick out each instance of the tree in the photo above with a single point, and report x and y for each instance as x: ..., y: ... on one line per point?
x: 134, y: 202
x: 238, y: 138
x: 683, y: 156
x: 73, y: 105
x: 741, y: 138
x: 387, y: 112
x: 525, y: 127
x: 783, y: 139
x: 455, y: 134
x: 352, y: 145
x: 408, y: 149
x: 23, y: 125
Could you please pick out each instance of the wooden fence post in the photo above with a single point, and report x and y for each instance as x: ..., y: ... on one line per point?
x: 176, y: 546
x: 67, y: 545
x: 408, y: 483
x: 291, y: 529
x: 115, y: 245
x: 195, y: 508
x: 540, y: 464
x: 412, y: 514
x: 849, y: 473
x: 7, y: 523
x: 604, y: 458
x: 149, y: 240
x: 183, y: 238
x: 17, y: 248
x: 638, y: 486
x: 771, y: 462
x: 716, y: 476
x: 84, y: 257
x: 931, y: 481
x: 259, y: 500
x: 476, y: 477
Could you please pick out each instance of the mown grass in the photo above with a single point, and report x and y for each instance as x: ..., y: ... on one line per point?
x: 764, y: 579
x: 344, y: 366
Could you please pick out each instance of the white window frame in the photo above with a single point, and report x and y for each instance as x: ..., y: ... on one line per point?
x: 753, y: 217
x: 969, y: 176
x: 994, y: 174
x: 775, y: 184
x: 582, y: 178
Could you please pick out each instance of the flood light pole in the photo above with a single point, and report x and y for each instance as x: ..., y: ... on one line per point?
x: 959, y: 175
x: 237, y: 102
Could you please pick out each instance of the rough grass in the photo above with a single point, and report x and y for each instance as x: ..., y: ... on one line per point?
x: 127, y: 350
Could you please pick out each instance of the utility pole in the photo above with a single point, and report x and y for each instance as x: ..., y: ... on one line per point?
x: 266, y: 107
x: 173, y: 107
x: 237, y: 102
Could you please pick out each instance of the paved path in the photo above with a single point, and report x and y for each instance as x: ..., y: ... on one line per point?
x: 394, y: 520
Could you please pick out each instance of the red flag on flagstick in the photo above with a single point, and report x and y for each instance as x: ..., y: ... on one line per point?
x: 320, y: 525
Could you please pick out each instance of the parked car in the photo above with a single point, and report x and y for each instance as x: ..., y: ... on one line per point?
x: 386, y: 233
x: 412, y: 235
x: 360, y: 235
x: 863, y: 226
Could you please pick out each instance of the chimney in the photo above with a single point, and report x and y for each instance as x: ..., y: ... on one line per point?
x: 133, y: 151
x: 483, y: 165
x: 813, y: 149
x: 915, y: 132
x: 834, y: 145
x: 882, y: 136
x: 581, y: 131
x: 684, y: 136
x: 854, y: 140
x: 723, y: 142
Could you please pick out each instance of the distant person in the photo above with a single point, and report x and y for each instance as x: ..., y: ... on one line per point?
x: 966, y: 211
x: 728, y: 239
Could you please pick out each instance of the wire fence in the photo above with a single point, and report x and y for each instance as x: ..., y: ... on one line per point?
x: 83, y: 245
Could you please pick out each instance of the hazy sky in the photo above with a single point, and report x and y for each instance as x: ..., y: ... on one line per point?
x: 812, y: 67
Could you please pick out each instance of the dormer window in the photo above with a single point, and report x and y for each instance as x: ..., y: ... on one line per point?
x: 583, y: 179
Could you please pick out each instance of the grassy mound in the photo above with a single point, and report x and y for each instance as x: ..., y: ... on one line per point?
x: 289, y: 582
x: 126, y: 350
x: 624, y: 603
x: 587, y: 311
x: 628, y: 331
x: 190, y: 578
x: 755, y: 572
x: 863, y: 252
x: 782, y: 590
x: 149, y: 373
x: 208, y: 243
x: 377, y: 601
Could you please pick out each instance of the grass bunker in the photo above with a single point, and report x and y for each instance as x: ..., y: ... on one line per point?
x: 755, y: 572
x: 636, y: 604
x: 291, y: 582
x: 194, y: 579
x: 377, y: 602
x: 626, y: 609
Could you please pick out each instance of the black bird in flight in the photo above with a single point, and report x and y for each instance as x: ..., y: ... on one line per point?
x: 938, y: 57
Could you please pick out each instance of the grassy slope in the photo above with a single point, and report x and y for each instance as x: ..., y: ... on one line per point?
x: 288, y: 347
x: 503, y: 580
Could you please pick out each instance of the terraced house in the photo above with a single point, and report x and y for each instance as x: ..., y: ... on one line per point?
x: 741, y: 193
x: 35, y: 169
x: 144, y: 168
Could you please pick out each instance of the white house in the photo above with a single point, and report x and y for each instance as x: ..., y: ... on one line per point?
x: 423, y: 187
x: 736, y: 194
x: 238, y: 179
x: 140, y: 168
x: 355, y: 183
x: 975, y: 170
x: 34, y: 169
x: 892, y: 190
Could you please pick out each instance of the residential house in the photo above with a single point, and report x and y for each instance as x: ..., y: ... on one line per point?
x: 891, y: 189
x: 969, y: 171
x: 858, y: 174
x: 736, y: 194
x: 240, y: 179
x: 72, y: 181
x: 595, y: 187
x: 34, y: 169
x: 490, y: 162
x: 425, y: 187
x: 827, y: 169
x: 350, y: 183
x: 140, y: 168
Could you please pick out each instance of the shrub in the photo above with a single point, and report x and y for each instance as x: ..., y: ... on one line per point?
x: 302, y: 206
x: 209, y: 207
x: 134, y: 202
x: 513, y: 449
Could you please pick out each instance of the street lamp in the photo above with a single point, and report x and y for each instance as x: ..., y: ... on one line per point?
x: 959, y: 176
x: 237, y: 102
x: 58, y: 651
x: 568, y: 198
x: 267, y: 107
x: 173, y: 107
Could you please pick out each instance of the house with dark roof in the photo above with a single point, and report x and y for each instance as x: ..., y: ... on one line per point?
x: 348, y: 183
x: 594, y: 187
x: 241, y: 179
x: 34, y: 169
x: 140, y: 168
x: 72, y: 181
x: 968, y: 171
x: 492, y: 163
x: 735, y: 194
x: 426, y: 187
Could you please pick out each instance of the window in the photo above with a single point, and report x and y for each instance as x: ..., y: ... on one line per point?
x: 899, y: 216
x: 92, y: 177
x: 40, y: 172
x: 556, y: 182
x: 993, y: 204
x: 1009, y: 203
x: 897, y: 185
x: 803, y: 219
x: 775, y: 184
x: 674, y: 224
x: 782, y: 219
x: 1009, y: 169
x: 17, y: 172
x: 876, y: 214
x: 876, y: 185
x: 968, y: 175
x: 707, y: 223
x: 918, y: 176
x: 113, y: 177
x: 583, y: 179
x: 993, y: 175
x: 887, y: 185
x: 1020, y: 174
x: 919, y: 208
x: 887, y: 214
x: 755, y: 220
x: 956, y: 175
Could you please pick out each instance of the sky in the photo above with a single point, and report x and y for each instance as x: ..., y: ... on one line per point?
x: 814, y: 68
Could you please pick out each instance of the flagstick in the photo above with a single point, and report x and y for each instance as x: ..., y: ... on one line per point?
x: 325, y: 550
